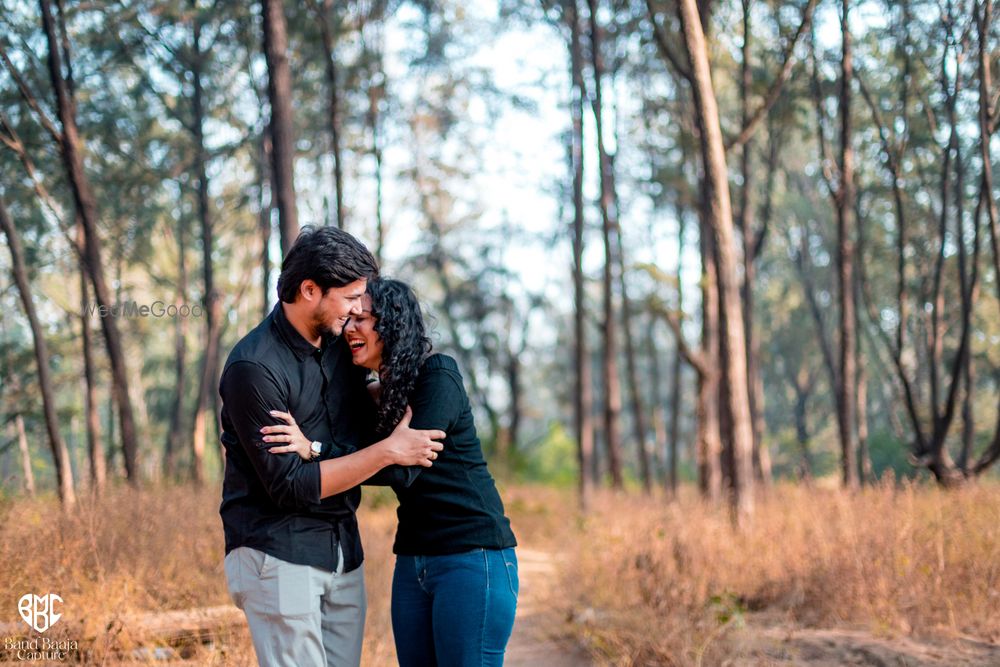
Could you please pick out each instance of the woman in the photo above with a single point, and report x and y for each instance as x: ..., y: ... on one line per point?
x: 454, y: 589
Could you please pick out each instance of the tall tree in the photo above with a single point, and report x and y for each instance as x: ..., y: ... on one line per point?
x: 583, y: 391
x: 279, y: 92
x: 212, y: 300
x: 720, y: 219
x: 844, y: 204
x: 60, y: 455
x: 95, y: 448
x: 988, y: 121
x: 71, y: 146
x: 609, y: 217
x: 324, y: 17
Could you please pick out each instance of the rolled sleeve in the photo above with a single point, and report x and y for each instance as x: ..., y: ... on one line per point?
x: 250, y: 392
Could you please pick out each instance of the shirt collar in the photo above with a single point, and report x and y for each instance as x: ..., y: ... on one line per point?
x: 293, y: 339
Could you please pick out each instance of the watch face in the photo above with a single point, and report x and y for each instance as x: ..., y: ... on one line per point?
x: 316, y: 447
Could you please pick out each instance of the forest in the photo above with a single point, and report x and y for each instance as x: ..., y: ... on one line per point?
x: 722, y: 277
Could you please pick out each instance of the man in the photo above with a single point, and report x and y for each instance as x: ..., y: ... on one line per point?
x: 293, y: 552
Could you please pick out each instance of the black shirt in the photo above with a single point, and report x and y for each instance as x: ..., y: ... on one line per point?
x: 271, y: 502
x: 453, y: 506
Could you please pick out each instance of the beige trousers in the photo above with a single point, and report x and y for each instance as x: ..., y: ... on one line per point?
x: 299, y: 616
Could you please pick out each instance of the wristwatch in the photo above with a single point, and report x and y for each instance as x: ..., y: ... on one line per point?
x: 315, y: 447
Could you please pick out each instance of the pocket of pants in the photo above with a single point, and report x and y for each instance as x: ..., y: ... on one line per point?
x: 231, y: 564
x: 510, y: 564
x: 269, y: 586
x: 290, y: 585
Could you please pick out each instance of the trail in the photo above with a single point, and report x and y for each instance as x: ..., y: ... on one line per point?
x: 782, y: 645
x: 540, y: 636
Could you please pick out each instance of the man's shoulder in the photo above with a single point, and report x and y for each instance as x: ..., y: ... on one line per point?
x: 257, y: 347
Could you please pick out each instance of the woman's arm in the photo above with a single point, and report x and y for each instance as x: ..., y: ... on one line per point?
x: 404, y: 446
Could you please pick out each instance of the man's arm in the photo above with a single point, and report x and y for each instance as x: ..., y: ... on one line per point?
x: 251, y: 394
x: 404, y: 447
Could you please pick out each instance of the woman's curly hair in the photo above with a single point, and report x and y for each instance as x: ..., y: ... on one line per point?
x: 399, y: 322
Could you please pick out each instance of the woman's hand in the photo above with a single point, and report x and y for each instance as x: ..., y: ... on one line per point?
x: 288, y: 432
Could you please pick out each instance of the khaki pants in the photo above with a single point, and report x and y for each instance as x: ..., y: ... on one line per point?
x: 299, y: 616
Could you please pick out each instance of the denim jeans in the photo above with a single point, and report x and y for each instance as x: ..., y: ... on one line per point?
x: 454, y: 610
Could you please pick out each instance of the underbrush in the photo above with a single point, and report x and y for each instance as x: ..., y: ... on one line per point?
x: 644, y: 580
x: 654, y: 582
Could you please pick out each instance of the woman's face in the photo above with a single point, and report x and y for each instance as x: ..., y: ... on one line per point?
x: 365, y: 344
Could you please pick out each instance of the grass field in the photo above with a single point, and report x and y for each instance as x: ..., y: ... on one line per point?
x: 642, y: 580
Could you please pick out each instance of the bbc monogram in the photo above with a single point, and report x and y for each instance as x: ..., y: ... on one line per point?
x: 39, y: 611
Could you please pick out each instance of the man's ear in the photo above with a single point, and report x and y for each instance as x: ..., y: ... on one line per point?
x: 309, y: 290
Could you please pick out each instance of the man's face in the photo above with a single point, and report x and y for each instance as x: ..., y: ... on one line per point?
x: 337, y: 306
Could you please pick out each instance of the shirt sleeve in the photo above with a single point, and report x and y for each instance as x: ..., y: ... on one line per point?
x: 249, y: 392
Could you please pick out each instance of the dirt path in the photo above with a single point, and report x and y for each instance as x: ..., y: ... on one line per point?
x: 781, y: 645
x: 539, y: 630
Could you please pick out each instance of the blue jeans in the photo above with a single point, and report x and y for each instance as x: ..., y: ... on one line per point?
x: 454, y: 610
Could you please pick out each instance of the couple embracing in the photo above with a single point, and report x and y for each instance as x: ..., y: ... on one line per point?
x: 304, y: 424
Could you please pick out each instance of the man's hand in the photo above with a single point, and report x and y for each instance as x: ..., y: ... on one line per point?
x: 411, y: 447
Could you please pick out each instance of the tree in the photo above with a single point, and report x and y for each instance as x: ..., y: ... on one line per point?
x: 720, y: 220
x: 71, y: 146
x: 60, y: 455
x: 279, y: 92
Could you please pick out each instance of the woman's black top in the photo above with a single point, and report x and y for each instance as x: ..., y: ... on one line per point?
x: 453, y: 506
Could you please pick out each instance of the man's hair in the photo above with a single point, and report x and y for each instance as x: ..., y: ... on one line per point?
x: 328, y: 256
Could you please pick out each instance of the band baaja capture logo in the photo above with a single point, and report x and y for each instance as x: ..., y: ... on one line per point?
x: 39, y: 612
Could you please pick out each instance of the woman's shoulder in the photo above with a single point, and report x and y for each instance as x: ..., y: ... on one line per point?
x: 440, y: 367
x: 439, y: 361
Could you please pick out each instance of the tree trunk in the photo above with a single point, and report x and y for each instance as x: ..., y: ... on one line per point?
x: 709, y: 439
x: 514, y: 387
x: 968, y: 419
x: 375, y: 94
x: 745, y: 223
x: 60, y: 455
x: 867, y: 472
x: 612, y: 383
x: 177, y: 431
x: 327, y: 40
x: 211, y: 298
x: 675, y: 376
x: 279, y: 92
x: 86, y: 206
x: 583, y: 389
x: 984, y: 22
x: 659, y: 417
x: 22, y: 445
x: 720, y: 219
x: 95, y: 448
x: 847, y: 406
x: 265, y: 207
x: 803, y: 385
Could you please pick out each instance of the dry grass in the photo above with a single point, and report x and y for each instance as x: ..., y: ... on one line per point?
x: 895, y: 561
x: 646, y: 581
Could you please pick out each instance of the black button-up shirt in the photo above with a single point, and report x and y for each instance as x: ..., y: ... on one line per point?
x: 271, y: 502
x: 453, y: 506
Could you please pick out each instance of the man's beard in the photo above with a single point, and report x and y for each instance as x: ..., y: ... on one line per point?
x: 324, y: 329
